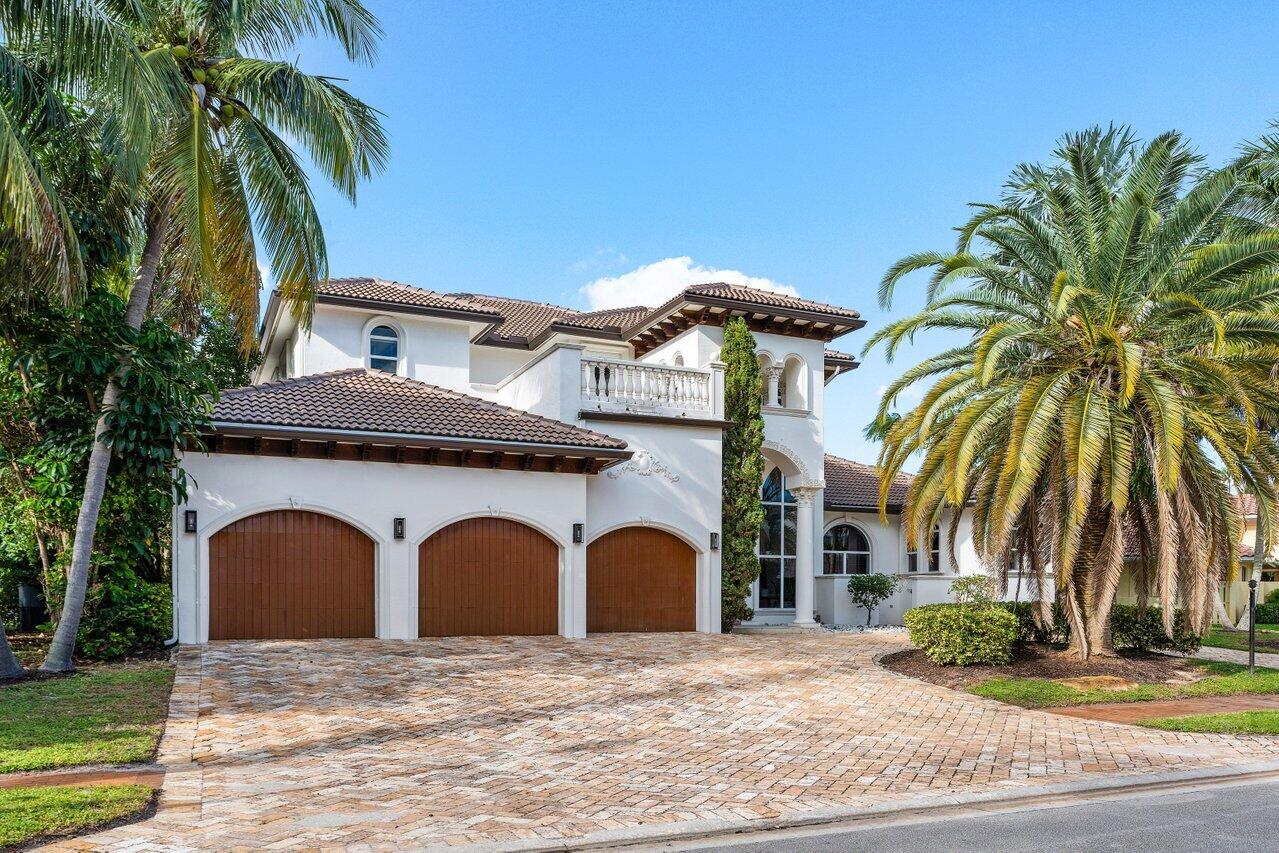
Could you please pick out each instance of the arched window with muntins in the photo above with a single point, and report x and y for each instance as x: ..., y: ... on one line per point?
x: 845, y: 551
x: 384, y: 349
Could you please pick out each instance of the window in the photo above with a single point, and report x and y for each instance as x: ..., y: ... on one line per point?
x: 845, y: 551
x: 384, y: 349
x: 934, y: 554
x: 679, y: 359
x: 776, y: 585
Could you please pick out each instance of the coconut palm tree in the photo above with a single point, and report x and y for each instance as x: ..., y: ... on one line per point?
x: 52, y: 51
x: 219, y: 177
x: 1120, y: 316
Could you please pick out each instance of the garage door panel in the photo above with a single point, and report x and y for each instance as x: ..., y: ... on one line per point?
x: 640, y: 579
x: 488, y: 577
x: 290, y: 574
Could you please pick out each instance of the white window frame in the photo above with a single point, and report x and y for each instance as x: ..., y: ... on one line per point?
x: 844, y: 555
x: 783, y: 557
x: 934, y: 562
x: 395, y: 327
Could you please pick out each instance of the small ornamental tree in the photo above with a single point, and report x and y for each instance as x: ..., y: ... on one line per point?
x: 743, y: 472
x: 870, y: 591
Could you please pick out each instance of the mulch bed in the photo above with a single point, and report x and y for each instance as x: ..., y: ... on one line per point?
x: 1040, y: 661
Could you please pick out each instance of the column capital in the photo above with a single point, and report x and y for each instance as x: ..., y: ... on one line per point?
x: 806, y: 494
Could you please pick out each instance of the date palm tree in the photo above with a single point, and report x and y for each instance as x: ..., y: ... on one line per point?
x: 1120, y: 317
x: 219, y: 178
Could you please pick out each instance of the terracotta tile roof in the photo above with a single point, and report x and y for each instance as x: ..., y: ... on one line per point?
x: 1246, y: 504
x: 395, y: 293
x: 359, y: 399
x: 523, y: 320
x: 610, y: 318
x: 852, y: 484
x: 836, y: 355
x: 769, y: 298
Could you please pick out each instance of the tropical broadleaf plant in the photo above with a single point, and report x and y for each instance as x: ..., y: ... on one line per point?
x: 212, y: 182
x: 1119, y: 316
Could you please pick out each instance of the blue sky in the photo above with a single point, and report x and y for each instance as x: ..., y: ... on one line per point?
x: 539, y: 147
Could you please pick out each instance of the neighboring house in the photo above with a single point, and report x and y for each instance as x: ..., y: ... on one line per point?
x: 425, y: 464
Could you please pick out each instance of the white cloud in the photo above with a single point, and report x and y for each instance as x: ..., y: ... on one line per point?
x: 653, y: 284
x: 602, y: 260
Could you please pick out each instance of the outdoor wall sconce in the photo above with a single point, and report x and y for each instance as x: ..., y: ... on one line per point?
x: 714, y: 541
x: 189, y: 521
x: 398, y: 528
x: 579, y: 533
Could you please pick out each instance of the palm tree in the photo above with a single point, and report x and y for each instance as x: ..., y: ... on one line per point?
x: 219, y: 177
x: 1120, y: 319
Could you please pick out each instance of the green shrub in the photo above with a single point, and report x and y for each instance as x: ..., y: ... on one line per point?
x: 963, y: 634
x: 123, y: 618
x: 1143, y: 631
x: 1268, y: 613
x: 1130, y: 628
x: 973, y: 589
x: 1029, y: 632
x: 870, y: 590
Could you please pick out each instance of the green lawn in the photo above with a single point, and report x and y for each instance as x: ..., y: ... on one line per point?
x: 110, y: 714
x: 1226, y: 679
x: 29, y: 813
x: 1222, y: 639
x: 1238, y: 723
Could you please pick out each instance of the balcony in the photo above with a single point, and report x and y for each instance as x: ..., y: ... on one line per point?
x: 633, y: 387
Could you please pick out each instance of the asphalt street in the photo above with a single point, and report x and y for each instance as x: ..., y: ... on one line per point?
x: 1214, y: 818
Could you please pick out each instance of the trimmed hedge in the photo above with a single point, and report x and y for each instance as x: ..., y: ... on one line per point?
x: 1268, y: 611
x: 963, y: 634
x: 1130, y: 628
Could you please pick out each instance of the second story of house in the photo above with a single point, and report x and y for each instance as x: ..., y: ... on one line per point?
x: 640, y: 364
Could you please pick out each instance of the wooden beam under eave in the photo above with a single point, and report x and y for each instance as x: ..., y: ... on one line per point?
x: 495, y: 459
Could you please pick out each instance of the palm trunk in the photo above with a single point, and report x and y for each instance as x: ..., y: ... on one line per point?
x: 61, y: 650
x: 9, y: 665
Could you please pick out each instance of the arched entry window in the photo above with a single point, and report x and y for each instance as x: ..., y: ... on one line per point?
x: 384, y: 349
x: 845, y: 551
x: 777, y: 545
x: 934, y: 554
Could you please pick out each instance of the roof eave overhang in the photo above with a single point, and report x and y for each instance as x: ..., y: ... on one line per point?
x: 489, y: 318
x: 837, y: 324
x: 892, y: 509
x: 416, y: 440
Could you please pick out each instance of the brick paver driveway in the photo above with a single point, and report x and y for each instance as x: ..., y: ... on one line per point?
x: 434, y: 742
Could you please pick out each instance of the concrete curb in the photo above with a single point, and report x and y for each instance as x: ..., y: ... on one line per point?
x: 939, y: 804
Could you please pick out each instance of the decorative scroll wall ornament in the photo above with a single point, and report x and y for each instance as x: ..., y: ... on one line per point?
x: 644, y: 464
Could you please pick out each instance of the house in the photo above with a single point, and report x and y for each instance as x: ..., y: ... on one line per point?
x: 428, y: 464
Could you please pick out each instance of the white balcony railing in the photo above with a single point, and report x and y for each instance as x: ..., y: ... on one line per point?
x: 633, y: 386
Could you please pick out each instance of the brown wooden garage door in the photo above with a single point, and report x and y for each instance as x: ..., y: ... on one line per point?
x: 290, y: 574
x: 487, y: 577
x: 640, y: 579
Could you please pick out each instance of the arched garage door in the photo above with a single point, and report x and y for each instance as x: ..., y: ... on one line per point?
x: 640, y: 579
x: 290, y: 574
x: 488, y: 577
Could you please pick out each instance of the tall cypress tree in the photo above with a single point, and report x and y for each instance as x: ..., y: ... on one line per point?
x: 743, y: 472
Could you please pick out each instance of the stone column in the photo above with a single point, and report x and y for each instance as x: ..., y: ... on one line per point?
x: 804, y: 546
x: 774, y: 379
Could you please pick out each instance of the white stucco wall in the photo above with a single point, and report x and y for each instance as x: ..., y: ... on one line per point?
x: 369, y: 495
x: 434, y: 351
x: 550, y: 386
x: 672, y: 483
